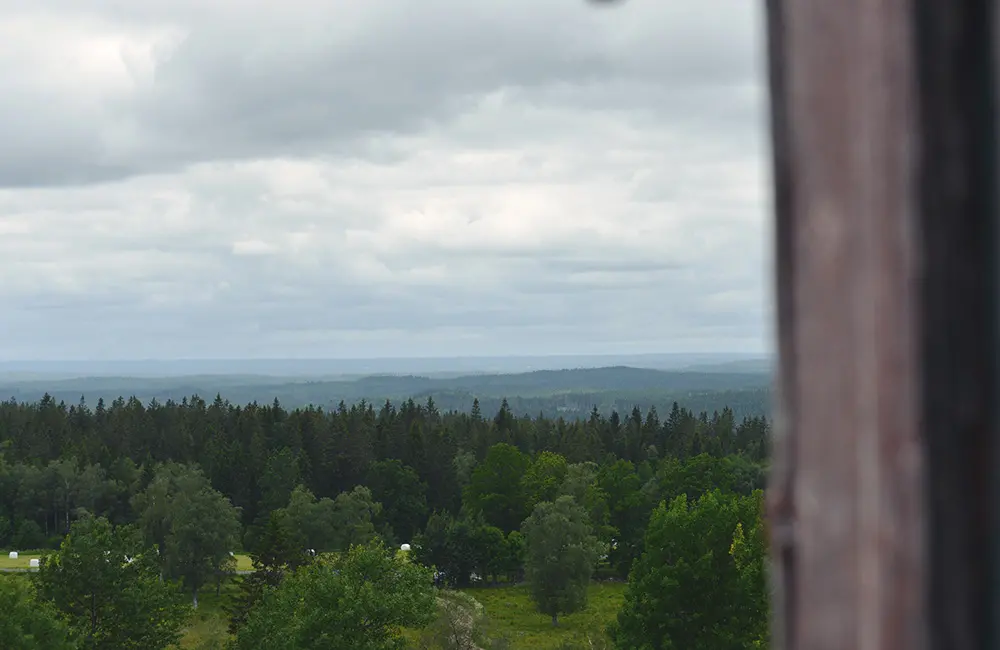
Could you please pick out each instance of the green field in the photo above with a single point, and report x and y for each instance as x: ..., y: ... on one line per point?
x: 22, y: 561
x: 509, y: 609
x: 208, y: 628
x: 512, y: 615
x: 243, y: 562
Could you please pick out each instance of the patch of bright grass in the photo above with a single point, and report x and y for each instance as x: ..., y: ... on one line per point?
x: 208, y: 628
x: 243, y: 562
x: 23, y: 560
x: 512, y: 615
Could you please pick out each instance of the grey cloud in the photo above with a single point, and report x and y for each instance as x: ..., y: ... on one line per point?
x: 311, y: 80
x: 380, y: 178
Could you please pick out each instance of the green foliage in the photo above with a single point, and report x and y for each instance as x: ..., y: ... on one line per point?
x: 354, y: 517
x: 203, y: 530
x: 512, y: 615
x: 700, y: 583
x: 561, y: 552
x: 360, y: 600
x: 280, y: 477
x: 544, y: 478
x: 107, y: 583
x: 749, y: 552
x: 402, y: 494
x: 307, y: 523
x: 28, y: 623
x: 27, y: 534
x: 699, y: 474
x: 197, y: 526
x: 325, y: 479
x: 279, y: 550
x: 495, y: 488
x: 582, y: 484
x: 628, y: 508
x: 460, y: 547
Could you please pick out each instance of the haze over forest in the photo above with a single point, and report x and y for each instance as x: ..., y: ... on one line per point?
x: 566, y: 386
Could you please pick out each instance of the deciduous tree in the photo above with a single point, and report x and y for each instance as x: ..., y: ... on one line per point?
x: 107, y: 583
x: 360, y: 600
x: 699, y: 584
x: 28, y: 623
x: 495, y: 488
x: 560, y: 554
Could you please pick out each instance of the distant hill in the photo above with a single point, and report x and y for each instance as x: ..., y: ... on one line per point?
x: 741, y: 365
x: 292, y: 369
x: 572, y: 392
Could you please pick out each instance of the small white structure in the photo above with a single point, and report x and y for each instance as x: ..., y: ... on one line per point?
x: 33, y: 563
x: 404, y: 547
x: 231, y: 554
x: 13, y: 555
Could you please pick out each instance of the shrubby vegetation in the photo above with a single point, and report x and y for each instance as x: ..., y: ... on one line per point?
x: 360, y: 599
x: 147, y: 503
x: 28, y: 622
x: 107, y: 584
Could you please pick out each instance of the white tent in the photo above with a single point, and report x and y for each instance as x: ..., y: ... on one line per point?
x: 13, y: 555
x: 33, y: 563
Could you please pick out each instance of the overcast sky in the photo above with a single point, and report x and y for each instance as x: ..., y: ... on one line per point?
x: 295, y: 178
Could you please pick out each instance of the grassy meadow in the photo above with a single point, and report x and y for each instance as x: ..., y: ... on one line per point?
x: 24, y: 558
x: 512, y: 615
x: 23, y: 561
x: 509, y: 609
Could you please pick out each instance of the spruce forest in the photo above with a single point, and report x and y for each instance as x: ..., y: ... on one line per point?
x: 480, y: 500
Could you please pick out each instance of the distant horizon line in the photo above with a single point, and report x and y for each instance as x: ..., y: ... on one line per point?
x: 754, y: 355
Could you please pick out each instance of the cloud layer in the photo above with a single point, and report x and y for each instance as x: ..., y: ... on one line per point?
x: 388, y: 178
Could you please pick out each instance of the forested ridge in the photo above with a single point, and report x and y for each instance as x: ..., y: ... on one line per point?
x: 570, y: 393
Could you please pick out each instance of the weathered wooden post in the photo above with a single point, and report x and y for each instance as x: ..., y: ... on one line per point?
x: 883, y: 502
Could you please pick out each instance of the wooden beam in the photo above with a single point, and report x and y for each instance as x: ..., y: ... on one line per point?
x: 882, y: 502
x: 958, y: 221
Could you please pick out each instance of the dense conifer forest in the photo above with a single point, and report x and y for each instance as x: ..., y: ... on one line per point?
x: 58, y: 458
x: 478, y: 497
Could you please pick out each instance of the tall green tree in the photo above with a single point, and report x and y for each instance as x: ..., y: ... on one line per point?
x: 279, y: 550
x: 204, y: 528
x: 28, y: 623
x: 544, y: 478
x: 193, y: 525
x: 628, y: 512
x: 402, y: 494
x: 332, y: 524
x: 107, y: 583
x: 560, y: 554
x: 495, y: 488
x: 360, y: 600
x: 354, y: 517
x: 700, y: 583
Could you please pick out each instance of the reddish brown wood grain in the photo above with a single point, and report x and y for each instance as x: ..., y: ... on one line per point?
x: 884, y: 501
x: 846, y: 499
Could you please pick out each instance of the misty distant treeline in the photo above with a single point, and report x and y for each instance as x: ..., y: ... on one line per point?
x: 567, y: 393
